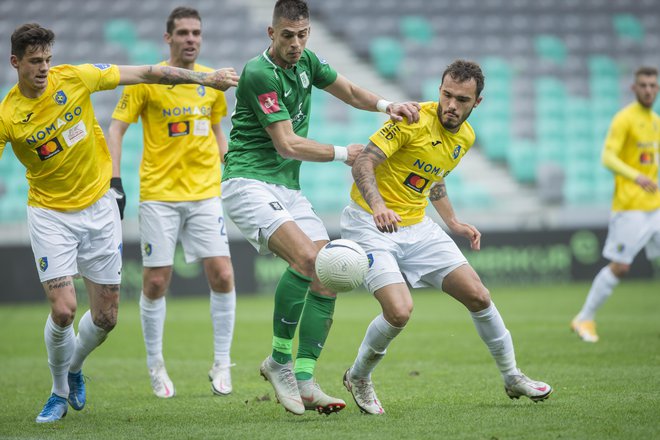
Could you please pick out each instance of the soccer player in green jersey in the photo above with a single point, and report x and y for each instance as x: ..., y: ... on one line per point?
x: 632, y: 153
x: 261, y: 192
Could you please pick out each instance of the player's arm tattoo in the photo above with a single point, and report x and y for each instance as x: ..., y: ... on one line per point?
x: 58, y: 283
x: 438, y: 191
x: 171, y: 75
x: 363, y: 173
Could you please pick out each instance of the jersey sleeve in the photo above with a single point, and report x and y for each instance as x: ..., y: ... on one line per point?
x: 219, y: 109
x: 3, y: 136
x: 262, y: 92
x: 392, y: 136
x: 323, y: 74
x: 616, y: 138
x: 98, y: 77
x: 130, y: 105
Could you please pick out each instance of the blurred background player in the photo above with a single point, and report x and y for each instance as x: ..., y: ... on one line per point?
x: 73, y: 218
x: 632, y: 153
x: 261, y: 191
x: 180, y: 196
x: 402, y: 166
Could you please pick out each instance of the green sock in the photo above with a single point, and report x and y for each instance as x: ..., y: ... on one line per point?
x: 315, y: 324
x: 289, y: 301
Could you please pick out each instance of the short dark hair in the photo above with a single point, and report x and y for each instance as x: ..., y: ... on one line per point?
x: 463, y: 70
x: 293, y: 10
x: 181, y: 12
x: 646, y: 70
x: 30, y: 34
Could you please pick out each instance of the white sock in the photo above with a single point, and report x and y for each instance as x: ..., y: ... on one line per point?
x: 89, y: 337
x: 60, y: 343
x: 223, y: 313
x: 380, y: 334
x: 601, y: 289
x: 152, y: 315
x: 492, y: 331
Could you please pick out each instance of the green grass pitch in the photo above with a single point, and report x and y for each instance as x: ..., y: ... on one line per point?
x: 437, y: 381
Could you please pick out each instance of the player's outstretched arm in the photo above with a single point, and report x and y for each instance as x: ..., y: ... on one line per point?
x: 363, y: 170
x: 291, y: 146
x: 441, y: 203
x: 221, y: 79
x: 363, y: 99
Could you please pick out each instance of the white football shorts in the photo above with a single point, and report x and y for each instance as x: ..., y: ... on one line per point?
x: 258, y: 209
x: 629, y: 232
x: 86, y: 242
x: 423, y: 253
x: 200, y: 225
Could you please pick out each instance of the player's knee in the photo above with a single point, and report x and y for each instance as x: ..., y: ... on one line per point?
x: 306, y: 264
x: 619, y: 270
x: 155, y: 284
x: 106, y: 320
x: 478, y: 298
x: 63, y: 314
x: 222, y: 280
x: 399, y: 316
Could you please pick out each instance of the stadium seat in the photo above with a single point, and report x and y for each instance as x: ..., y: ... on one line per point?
x: 521, y: 158
x: 416, y: 28
x: 145, y: 52
x: 120, y: 31
x: 628, y: 26
x: 386, y: 54
x: 551, y: 48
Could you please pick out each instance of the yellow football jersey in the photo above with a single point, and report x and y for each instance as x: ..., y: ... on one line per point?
x: 418, y: 155
x: 180, y: 160
x: 634, y: 137
x: 57, y: 138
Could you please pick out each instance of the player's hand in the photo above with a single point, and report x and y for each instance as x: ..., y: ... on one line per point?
x: 115, y: 183
x: 354, y: 151
x: 400, y: 110
x: 386, y: 220
x: 468, y: 231
x: 222, y: 79
x: 646, y: 183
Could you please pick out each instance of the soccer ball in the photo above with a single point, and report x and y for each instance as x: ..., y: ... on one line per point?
x: 341, y: 265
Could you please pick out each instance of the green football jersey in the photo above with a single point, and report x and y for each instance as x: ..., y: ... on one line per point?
x: 267, y: 93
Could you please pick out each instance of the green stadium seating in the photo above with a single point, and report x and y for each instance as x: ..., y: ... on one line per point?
x: 416, y: 28
x: 628, y: 26
x: 551, y: 48
x: 121, y: 32
x: 145, y: 52
x: 386, y: 54
x: 521, y: 157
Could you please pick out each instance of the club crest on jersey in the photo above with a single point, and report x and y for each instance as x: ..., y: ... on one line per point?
x: 456, y: 152
x: 147, y: 249
x: 60, y: 97
x: 43, y: 264
x: 304, y: 80
x: 177, y: 129
x: 49, y: 149
x: 268, y: 102
x: 201, y: 90
x: 102, y: 66
x: 415, y: 182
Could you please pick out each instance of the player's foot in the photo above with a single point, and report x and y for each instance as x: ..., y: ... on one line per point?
x: 517, y: 385
x: 161, y: 383
x: 586, y: 330
x: 284, y: 383
x: 77, y: 395
x: 315, y: 399
x: 54, y: 409
x: 220, y: 378
x: 363, y: 393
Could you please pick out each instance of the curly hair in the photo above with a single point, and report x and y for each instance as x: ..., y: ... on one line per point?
x: 30, y: 35
x: 463, y: 70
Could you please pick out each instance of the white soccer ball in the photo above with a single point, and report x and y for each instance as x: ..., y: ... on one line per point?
x: 341, y: 265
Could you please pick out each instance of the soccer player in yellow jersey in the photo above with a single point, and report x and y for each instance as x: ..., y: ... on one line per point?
x: 180, y: 196
x: 400, y: 168
x: 631, y: 152
x: 73, y: 218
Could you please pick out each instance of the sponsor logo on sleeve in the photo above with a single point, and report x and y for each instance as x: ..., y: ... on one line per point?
x: 456, y: 152
x: 101, y: 66
x: 60, y: 97
x: 49, y: 149
x: 269, y: 103
x: 276, y: 206
x: 201, y: 90
x: 177, y: 129
x: 389, y: 131
x: 416, y: 183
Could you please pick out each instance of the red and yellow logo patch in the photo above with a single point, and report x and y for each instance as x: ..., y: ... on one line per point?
x: 178, y: 128
x: 49, y: 149
x: 416, y: 183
